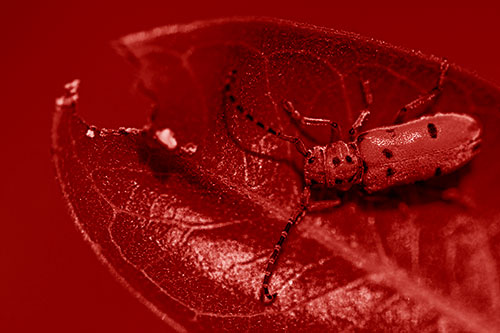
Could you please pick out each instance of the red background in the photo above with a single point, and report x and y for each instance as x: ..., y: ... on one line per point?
x: 50, y: 280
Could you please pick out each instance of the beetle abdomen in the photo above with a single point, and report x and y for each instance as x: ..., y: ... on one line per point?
x: 417, y: 150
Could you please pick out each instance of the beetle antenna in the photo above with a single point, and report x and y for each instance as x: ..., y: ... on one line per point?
x: 266, y: 296
x: 301, y: 147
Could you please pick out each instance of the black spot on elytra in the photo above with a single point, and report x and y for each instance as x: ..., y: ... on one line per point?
x: 387, y: 153
x: 365, y: 167
x: 249, y: 117
x: 438, y: 172
x: 336, y: 161
x: 338, y: 181
x: 390, y: 172
x: 432, y: 129
x: 232, y: 99
x: 261, y: 125
x: 270, y: 130
x: 348, y: 159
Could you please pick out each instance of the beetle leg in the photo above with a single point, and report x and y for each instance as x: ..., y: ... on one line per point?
x: 266, y: 296
x: 299, y: 144
x: 368, y: 100
x: 425, y: 99
x: 358, y: 123
x: 324, y: 199
x: 316, y: 206
x: 308, y: 121
x: 454, y: 195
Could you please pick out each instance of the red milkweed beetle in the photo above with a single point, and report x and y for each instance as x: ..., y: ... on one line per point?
x: 376, y: 159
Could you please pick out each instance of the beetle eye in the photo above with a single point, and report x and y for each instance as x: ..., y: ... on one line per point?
x: 348, y: 159
x: 311, y: 160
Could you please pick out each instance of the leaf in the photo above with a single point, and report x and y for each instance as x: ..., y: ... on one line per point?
x: 190, y: 233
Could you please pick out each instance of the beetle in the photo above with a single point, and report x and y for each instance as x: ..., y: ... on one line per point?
x: 376, y: 159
